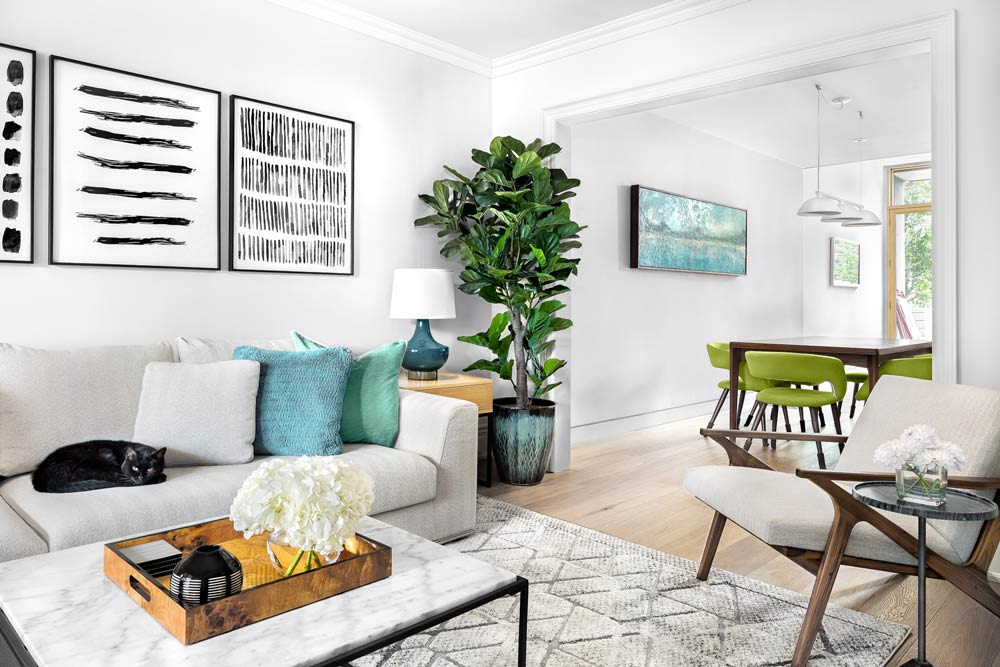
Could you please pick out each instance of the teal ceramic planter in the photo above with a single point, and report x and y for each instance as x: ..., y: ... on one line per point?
x: 522, y: 440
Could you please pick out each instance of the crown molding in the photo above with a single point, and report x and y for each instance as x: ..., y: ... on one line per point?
x: 390, y: 32
x: 655, y: 18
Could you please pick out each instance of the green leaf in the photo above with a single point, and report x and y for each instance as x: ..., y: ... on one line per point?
x: 457, y: 175
x: 514, y: 144
x: 483, y: 365
x: 551, y: 366
x: 541, y: 391
x: 434, y: 219
x: 478, y: 339
x: 497, y: 148
x: 526, y: 162
x: 441, y: 195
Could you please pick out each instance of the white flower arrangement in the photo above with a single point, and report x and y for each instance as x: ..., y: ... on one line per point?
x: 917, y: 448
x: 317, y: 502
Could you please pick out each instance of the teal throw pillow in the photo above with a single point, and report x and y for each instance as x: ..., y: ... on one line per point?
x: 300, y: 400
x: 371, y: 402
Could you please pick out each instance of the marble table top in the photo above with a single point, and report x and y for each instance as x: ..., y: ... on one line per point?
x: 68, y: 613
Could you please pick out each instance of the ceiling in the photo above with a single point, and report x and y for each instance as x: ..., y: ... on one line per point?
x: 493, y: 29
x: 779, y: 120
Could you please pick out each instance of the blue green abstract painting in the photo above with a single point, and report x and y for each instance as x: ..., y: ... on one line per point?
x: 683, y: 234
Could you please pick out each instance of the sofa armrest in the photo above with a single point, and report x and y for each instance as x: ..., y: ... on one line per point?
x: 445, y: 431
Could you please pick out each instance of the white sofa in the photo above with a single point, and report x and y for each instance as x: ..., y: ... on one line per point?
x: 425, y: 484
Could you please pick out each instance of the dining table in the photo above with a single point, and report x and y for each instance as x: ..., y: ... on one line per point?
x: 868, y: 353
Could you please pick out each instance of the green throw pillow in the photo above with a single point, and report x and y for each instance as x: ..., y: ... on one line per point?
x: 300, y: 400
x: 371, y: 402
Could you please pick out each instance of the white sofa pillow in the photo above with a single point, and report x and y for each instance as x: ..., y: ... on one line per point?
x: 52, y: 398
x: 205, y: 350
x: 204, y: 414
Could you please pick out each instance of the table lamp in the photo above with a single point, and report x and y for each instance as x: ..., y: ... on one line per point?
x: 423, y: 295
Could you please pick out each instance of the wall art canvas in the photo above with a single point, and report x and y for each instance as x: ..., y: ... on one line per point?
x: 17, y: 144
x: 845, y: 263
x: 291, y: 190
x: 134, y: 169
x: 675, y: 233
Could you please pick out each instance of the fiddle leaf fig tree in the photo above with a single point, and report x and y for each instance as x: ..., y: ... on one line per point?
x: 510, y: 225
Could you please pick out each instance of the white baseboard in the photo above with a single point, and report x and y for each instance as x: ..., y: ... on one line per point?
x: 614, y: 427
x: 994, y: 576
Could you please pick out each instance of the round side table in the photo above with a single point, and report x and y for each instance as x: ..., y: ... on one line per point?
x: 958, y: 506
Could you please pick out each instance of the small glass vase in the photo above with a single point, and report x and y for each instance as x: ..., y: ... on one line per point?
x: 923, y: 485
x: 289, y: 560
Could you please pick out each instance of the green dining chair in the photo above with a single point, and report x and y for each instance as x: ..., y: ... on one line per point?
x: 800, y: 369
x: 919, y: 367
x: 718, y: 356
x: 857, y: 378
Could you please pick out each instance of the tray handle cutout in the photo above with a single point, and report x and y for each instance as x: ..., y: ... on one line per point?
x: 139, y: 588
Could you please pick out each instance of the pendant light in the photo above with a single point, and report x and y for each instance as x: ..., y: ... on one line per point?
x: 819, y: 205
x: 866, y: 218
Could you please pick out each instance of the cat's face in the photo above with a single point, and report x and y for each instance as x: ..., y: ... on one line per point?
x: 143, y: 465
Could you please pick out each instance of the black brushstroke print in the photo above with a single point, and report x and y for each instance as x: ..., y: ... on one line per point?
x: 135, y: 97
x: 11, y: 157
x: 11, y: 240
x: 152, y: 240
x: 9, y: 209
x: 15, y: 104
x: 276, y: 134
x: 132, y: 139
x: 15, y: 72
x: 116, y: 219
x: 291, y: 180
x: 12, y: 183
x: 134, y: 194
x: 11, y: 130
x: 318, y: 252
x: 139, y: 118
x: 136, y: 164
x: 293, y: 218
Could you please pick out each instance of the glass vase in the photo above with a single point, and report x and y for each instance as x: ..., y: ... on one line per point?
x: 924, y: 485
x: 289, y: 559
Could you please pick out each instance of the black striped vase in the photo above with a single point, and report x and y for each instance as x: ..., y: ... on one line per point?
x: 207, y: 573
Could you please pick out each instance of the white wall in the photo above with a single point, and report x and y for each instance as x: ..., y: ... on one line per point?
x: 408, y: 125
x: 846, y: 311
x: 639, y: 340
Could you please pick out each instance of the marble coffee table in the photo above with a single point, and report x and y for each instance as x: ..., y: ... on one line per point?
x: 59, y: 609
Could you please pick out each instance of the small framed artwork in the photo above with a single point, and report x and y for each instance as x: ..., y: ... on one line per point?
x: 134, y: 170
x: 17, y: 143
x: 291, y: 190
x: 674, y: 233
x: 845, y: 263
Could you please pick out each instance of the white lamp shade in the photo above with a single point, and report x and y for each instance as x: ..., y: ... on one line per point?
x: 422, y: 294
x: 868, y: 219
x: 819, y: 205
x: 848, y: 213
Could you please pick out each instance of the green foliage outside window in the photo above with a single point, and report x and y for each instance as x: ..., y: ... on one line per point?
x: 918, y: 245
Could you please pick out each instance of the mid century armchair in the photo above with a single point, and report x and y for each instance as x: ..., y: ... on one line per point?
x: 812, y: 518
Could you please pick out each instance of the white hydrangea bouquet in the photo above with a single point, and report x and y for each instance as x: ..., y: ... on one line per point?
x: 921, y: 461
x: 308, y: 506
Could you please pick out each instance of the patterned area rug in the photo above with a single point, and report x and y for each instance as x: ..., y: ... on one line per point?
x: 597, y: 600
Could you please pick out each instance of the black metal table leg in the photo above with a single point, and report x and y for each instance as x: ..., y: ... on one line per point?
x: 522, y: 628
x: 921, y: 659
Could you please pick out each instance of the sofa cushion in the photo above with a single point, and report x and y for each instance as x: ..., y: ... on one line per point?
x: 51, y: 398
x: 19, y: 539
x: 784, y: 510
x: 207, y: 350
x: 194, y: 494
x: 204, y: 414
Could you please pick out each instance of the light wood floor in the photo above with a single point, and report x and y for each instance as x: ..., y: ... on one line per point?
x: 630, y: 487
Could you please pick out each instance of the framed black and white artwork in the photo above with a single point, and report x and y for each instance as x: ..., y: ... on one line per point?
x: 134, y: 170
x: 17, y: 143
x: 291, y: 190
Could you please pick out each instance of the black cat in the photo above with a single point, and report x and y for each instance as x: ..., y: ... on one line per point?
x: 99, y: 464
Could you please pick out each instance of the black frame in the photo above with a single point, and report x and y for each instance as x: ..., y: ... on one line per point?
x: 518, y: 587
x: 634, y: 233
x: 34, y: 120
x: 232, y: 181
x: 218, y: 171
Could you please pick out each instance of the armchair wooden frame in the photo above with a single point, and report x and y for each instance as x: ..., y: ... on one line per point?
x: 969, y: 577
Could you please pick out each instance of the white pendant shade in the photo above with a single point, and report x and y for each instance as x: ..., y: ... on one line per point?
x: 422, y: 294
x: 848, y: 213
x: 868, y: 219
x: 819, y: 205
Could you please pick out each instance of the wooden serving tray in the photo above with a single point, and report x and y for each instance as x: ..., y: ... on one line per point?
x: 265, y: 591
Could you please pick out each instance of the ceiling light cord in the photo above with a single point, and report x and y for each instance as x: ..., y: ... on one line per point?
x: 819, y: 95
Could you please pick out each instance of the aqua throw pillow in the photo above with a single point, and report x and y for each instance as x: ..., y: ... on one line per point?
x: 371, y: 402
x: 300, y: 400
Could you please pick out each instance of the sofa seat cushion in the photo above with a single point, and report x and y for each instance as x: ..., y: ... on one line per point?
x: 192, y: 494
x: 19, y: 539
x: 784, y: 510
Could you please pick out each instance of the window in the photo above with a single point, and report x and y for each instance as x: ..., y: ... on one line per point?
x: 909, y: 252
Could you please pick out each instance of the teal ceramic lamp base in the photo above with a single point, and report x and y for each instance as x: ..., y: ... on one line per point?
x: 424, y: 355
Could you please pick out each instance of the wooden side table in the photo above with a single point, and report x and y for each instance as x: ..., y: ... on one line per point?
x: 470, y: 388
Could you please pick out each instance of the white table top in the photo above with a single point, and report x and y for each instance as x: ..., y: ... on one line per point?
x: 68, y: 613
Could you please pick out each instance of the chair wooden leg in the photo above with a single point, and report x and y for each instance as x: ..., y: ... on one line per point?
x: 854, y: 398
x: 835, y: 409
x: 836, y: 542
x: 718, y: 407
x: 774, y: 424
x: 802, y: 415
x: 757, y: 423
x: 753, y: 411
x: 739, y: 406
x: 788, y: 424
x: 820, y: 456
x: 711, y: 545
x: 822, y: 419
